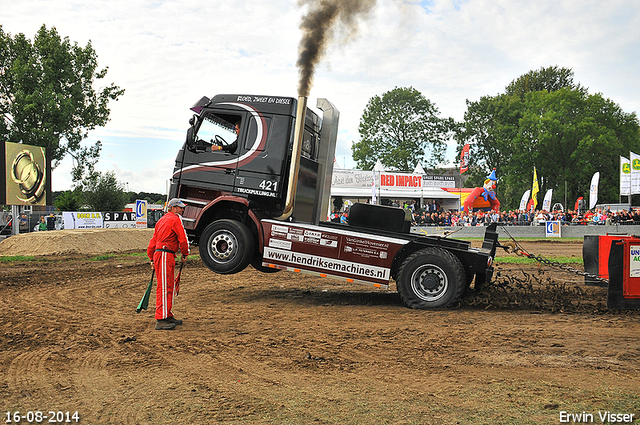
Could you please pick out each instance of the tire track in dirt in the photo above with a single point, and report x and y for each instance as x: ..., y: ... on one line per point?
x: 29, y: 370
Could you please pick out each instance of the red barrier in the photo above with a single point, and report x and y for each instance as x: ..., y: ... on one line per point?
x: 624, y: 274
x: 595, y: 256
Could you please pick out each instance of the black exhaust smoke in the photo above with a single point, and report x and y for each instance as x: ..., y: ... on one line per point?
x: 319, y: 25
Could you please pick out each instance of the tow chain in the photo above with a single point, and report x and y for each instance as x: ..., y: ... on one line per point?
x: 514, y: 247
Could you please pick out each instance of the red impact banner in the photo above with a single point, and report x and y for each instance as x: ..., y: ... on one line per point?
x: 464, y: 159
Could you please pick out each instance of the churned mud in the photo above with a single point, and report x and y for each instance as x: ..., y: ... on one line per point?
x: 286, y: 348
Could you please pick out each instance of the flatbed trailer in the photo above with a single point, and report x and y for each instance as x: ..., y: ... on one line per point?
x: 429, y: 271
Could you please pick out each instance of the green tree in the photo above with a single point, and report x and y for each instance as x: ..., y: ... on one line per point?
x: 401, y: 128
x: 152, y: 198
x: 569, y: 135
x: 103, y: 192
x: 69, y: 200
x: 556, y: 126
x: 490, y: 126
x: 47, y: 96
x: 550, y: 79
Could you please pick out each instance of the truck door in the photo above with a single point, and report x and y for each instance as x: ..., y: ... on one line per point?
x: 211, y: 157
x: 262, y: 160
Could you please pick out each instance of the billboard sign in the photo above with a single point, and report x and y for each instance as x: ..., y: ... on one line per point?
x: 553, y: 229
x: 25, y: 174
x: 119, y: 220
x: 82, y: 220
x: 141, y: 214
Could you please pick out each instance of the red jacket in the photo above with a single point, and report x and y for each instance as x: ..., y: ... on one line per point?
x: 169, y: 234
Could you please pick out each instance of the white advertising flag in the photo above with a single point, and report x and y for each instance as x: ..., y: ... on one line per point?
x: 635, y: 173
x: 546, y: 204
x: 625, y: 176
x: 373, y: 189
x: 524, y: 200
x: 593, y: 191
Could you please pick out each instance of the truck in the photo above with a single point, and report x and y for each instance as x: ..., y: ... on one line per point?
x: 255, y: 173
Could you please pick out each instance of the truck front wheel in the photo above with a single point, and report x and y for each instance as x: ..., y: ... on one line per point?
x: 431, y: 278
x: 226, y: 246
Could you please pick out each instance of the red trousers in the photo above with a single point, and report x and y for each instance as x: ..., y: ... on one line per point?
x: 165, y: 265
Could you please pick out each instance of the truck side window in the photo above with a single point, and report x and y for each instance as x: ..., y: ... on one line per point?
x: 310, y: 145
x: 254, y: 130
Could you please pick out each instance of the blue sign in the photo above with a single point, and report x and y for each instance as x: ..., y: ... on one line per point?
x: 553, y: 229
x: 141, y: 209
x: 141, y: 213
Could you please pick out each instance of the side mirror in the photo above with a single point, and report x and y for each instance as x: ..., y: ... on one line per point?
x: 191, y: 133
x: 191, y: 137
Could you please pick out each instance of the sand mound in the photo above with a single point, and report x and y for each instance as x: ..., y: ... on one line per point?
x: 76, y: 242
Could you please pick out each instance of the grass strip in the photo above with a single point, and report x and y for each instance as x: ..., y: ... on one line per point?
x: 12, y: 258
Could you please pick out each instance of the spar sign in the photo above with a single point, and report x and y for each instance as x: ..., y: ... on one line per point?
x: 119, y: 219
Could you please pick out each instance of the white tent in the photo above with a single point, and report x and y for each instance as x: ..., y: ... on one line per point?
x: 419, y: 169
x: 379, y: 167
x: 358, y: 185
x: 383, y: 192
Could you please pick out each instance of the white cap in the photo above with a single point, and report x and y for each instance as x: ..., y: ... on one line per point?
x: 175, y: 202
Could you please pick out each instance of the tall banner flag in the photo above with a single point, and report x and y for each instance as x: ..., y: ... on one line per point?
x: 625, y: 176
x: 593, y: 191
x: 373, y: 188
x: 464, y: 158
x: 525, y: 198
x: 535, y: 189
x: 635, y: 173
x: 546, y: 204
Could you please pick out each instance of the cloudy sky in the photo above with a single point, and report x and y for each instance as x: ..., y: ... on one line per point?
x: 167, y: 54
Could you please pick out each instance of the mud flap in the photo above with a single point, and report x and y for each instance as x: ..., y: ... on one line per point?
x: 490, y: 241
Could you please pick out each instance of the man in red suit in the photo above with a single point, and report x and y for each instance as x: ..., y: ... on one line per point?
x: 169, y: 236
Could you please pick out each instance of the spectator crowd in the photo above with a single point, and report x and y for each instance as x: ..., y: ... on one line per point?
x: 523, y: 218
x: 432, y: 215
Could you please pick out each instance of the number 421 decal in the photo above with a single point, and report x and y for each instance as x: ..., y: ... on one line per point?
x: 269, y: 185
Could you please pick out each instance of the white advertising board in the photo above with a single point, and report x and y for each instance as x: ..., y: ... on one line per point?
x: 634, y: 261
x: 553, y: 229
x: 82, y: 220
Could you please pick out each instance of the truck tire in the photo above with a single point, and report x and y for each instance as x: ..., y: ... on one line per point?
x: 431, y: 278
x: 226, y: 246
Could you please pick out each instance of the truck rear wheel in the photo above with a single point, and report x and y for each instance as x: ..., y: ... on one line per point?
x: 431, y: 278
x: 226, y: 246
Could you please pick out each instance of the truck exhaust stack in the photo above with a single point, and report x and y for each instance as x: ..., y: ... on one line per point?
x: 295, y: 158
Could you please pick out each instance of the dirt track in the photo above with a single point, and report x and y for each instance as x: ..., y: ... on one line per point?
x: 288, y: 348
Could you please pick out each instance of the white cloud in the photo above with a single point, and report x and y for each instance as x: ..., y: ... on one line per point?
x: 167, y: 54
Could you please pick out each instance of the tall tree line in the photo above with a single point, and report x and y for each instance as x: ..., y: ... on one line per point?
x: 546, y: 120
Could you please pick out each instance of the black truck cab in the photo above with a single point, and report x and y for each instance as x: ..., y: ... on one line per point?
x: 250, y: 166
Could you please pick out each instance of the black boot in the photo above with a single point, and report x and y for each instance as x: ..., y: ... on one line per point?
x: 164, y: 325
x: 174, y: 320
